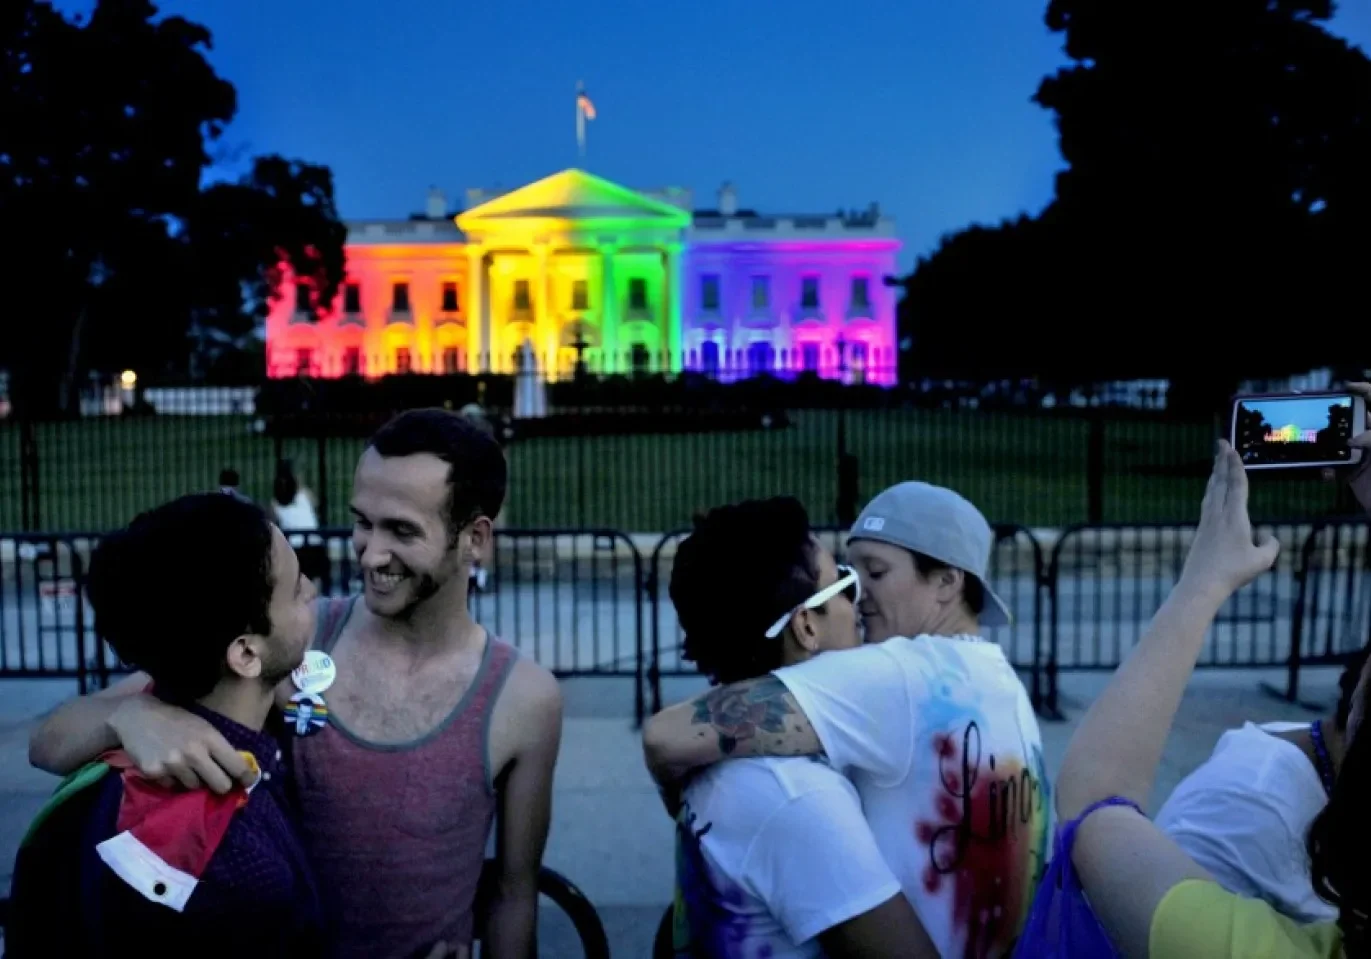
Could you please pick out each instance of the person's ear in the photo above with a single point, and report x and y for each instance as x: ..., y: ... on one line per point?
x: 804, y: 627
x: 947, y: 583
x: 477, y: 539
x: 244, y: 656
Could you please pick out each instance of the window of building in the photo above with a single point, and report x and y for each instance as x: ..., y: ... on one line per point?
x: 761, y: 292
x: 522, y: 301
x: 709, y: 292
x: 399, y: 297
x: 304, y: 359
x: 352, y: 298
x: 637, y: 293
x: 450, y: 302
x: 403, y: 362
x: 580, y: 295
x: 302, y: 298
x: 809, y: 292
x: 352, y: 361
x: 452, y: 360
x: 761, y: 358
x: 861, y: 293
x: 809, y: 354
x: 709, y: 358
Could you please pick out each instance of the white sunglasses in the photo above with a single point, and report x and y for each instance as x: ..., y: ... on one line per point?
x: 847, y: 582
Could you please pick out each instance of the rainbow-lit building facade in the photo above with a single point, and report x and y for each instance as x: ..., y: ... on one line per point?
x: 574, y: 266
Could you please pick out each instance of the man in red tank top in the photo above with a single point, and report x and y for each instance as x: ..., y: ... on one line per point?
x: 435, y: 729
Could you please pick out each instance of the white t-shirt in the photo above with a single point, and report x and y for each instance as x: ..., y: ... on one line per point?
x: 786, y: 855
x: 941, y: 741
x: 1244, y: 814
x: 298, y: 514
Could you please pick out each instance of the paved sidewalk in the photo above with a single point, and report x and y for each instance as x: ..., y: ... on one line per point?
x: 609, y: 833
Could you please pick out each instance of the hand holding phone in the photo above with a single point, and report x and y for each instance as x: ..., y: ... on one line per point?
x: 1300, y: 430
x: 1361, y: 478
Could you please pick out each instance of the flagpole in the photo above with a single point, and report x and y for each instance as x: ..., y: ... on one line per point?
x: 584, y: 111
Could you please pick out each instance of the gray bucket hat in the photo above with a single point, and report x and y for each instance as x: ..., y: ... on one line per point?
x: 940, y: 524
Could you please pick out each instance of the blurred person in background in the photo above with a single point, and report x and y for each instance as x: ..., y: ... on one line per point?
x: 230, y: 483
x: 295, y: 510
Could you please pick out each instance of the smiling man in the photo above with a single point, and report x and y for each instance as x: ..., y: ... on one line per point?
x: 433, y: 727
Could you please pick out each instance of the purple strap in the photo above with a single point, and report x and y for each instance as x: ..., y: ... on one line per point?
x: 1066, y: 835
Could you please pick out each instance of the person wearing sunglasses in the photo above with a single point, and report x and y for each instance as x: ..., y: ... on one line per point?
x: 774, y: 856
x: 929, y: 721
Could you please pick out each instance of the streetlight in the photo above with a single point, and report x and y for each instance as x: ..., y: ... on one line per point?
x: 128, y: 380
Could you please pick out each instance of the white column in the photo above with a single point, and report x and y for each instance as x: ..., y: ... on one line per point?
x: 478, y: 314
x: 671, y: 307
x: 609, y: 314
x: 544, y: 334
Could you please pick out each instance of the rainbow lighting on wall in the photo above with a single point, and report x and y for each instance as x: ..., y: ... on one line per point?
x: 574, y: 267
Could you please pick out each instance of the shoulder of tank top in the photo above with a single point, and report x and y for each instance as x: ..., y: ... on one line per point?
x: 531, y: 684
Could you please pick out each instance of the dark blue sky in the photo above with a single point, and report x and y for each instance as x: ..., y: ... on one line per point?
x: 806, y: 105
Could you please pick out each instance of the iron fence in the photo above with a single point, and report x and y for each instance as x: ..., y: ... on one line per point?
x: 647, y: 459
x: 585, y: 603
x: 1106, y: 582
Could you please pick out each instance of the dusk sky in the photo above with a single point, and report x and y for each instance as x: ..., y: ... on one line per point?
x: 806, y: 105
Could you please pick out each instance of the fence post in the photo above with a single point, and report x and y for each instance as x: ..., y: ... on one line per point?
x: 1291, y: 693
x: 845, y: 509
x: 321, y: 492
x: 28, y: 475
x: 1051, y: 708
x: 1094, y: 470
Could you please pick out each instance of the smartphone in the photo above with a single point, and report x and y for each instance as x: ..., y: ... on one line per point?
x: 1297, y: 430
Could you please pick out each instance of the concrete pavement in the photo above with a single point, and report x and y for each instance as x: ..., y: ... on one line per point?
x: 609, y: 833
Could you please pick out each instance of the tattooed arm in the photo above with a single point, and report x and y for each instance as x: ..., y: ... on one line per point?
x: 854, y: 707
x: 757, y: 717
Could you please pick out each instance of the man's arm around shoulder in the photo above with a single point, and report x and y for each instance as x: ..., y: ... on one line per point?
x: 852, y: 705
x: 529, y: 717
x: 755, y: 717
x: 164, y: 742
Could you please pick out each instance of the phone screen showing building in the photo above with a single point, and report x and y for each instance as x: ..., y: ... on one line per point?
x: 1291, y: 431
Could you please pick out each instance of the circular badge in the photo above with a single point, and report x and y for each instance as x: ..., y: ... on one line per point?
x: 315, y: 674
x: 306, y: 713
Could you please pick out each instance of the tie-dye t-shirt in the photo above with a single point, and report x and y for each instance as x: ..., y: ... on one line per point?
x: 771, y: 853
x: 939, y: 737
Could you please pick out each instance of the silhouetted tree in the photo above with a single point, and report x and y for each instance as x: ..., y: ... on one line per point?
x: 1215, y: 182
x: 117, y: 251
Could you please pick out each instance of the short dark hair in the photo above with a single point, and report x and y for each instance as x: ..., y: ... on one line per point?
x: 742, y: 567
x: 477, y: 472
x: 973, y: 592
x: 229, y: 477
x: 1347, y: 685
x: 173, y: 589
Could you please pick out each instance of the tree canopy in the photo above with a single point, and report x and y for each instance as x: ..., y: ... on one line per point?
x: 1213, y: 220
x: 122, y: 249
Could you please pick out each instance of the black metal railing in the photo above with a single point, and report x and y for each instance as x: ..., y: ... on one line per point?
x: 586, y: 603
x: 645, y: 456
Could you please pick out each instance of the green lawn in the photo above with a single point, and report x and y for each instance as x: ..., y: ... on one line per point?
x: 96, y: 473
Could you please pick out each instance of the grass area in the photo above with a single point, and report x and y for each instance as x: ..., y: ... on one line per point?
x: 97, y: 473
